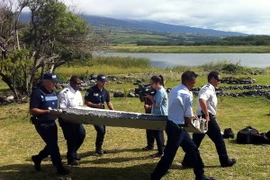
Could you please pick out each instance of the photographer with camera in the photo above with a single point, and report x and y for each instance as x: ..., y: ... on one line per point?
x: 159, y: 106
x: 142, y: 91
x: 149, y: 134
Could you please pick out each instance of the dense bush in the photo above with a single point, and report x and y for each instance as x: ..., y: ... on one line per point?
x: 233, y: 68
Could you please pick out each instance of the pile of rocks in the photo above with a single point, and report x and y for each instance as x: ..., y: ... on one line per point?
x: 233, y: 80
x: 6, y: 99
x: 242, y: 91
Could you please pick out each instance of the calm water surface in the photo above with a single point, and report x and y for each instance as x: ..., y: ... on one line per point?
x: 164, y: 60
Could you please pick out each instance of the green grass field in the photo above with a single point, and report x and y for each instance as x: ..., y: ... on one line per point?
x: 190, y: 49
x: 125, y: 160
x: 133, y: 38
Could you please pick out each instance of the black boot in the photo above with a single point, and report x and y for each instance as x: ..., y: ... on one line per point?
x: 228, y: 133
x: 229, y: 163
x: 37, y: 162
x: 100, y: 151
x: 62, y: 170
x: 73, y: 162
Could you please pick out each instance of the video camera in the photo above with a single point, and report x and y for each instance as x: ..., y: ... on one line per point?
x: 144, y: 89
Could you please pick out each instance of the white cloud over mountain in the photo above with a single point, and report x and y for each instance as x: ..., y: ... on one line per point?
x: 246, y: 16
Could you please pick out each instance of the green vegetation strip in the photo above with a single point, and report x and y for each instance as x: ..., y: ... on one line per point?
x: 190, y: 49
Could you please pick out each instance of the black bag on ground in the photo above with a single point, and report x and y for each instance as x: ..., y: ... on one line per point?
x: 228, y: 133
x: 260, y: 138
x: 245, y: 136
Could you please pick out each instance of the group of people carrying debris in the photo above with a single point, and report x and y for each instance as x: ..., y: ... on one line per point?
x: 178, y: 108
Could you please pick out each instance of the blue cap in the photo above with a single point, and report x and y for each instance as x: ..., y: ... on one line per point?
x: 50, y: 76
x: 101, y: 77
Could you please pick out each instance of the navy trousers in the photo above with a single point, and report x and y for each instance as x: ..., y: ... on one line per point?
x: 48, y: 132
x: 177, y: 136
x: 150, y: 137
x: 101, y: 131
x: 215, y: 135
x: 74, y: 135
x: 160, y: 142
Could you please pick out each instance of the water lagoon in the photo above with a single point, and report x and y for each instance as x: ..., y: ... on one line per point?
x: 164, y: 60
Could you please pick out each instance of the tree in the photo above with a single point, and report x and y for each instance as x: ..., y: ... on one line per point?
x: 53, y: 37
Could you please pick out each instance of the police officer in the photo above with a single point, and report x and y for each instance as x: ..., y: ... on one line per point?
x: 73, y: 133
x: 206, y: 107
x: 180, y: 111
x: 95, y: 98
x: 42, y: 100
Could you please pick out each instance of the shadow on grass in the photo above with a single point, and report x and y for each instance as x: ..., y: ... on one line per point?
x: 105, y: 160
x: 179, y: 167
x: 114, y: 151
x: 27, y: 172
x: 233, y: 141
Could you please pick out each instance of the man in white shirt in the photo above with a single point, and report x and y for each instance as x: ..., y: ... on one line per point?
x: 74, y: 133
x: 207, y: 107
x: 180, y: 111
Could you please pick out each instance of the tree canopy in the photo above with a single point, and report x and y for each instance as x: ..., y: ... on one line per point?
x: 52, y: 37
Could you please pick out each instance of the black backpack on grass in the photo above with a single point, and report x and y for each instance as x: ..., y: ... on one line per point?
x: 246, y: 135
x: 260, y: 138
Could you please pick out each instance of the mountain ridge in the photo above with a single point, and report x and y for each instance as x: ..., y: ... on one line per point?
x: 113, y: 23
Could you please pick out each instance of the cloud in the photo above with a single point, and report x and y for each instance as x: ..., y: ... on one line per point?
x: 247, y: 16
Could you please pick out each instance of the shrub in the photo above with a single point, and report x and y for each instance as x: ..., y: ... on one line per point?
x: 233, y: 68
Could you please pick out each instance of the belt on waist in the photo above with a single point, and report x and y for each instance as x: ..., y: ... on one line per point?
x: 176, y: 125
x: 211, y: 115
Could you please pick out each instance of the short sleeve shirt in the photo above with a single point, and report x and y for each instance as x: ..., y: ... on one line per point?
x: 180, y: 104
x: 37, y: 98
x: 208, y: 93
x: 161, y: 100
x: 68, y: 97
x: 43, y: 99
x: 96, y: 95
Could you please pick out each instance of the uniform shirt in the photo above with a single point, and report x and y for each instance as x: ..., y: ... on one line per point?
x: 161, y: 100
x: 69, y: 97
x: 96, y: 96
x: 43, y: 99
x: 208, y: 93
x: 180, y: 104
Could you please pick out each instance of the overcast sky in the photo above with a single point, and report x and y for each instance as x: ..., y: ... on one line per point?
x: 246, y: 16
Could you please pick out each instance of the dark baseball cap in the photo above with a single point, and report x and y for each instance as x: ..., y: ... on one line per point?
x: 50, y: 76
x: 101, y: 77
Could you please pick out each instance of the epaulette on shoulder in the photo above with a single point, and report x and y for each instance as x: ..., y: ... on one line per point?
x: 66, y: 91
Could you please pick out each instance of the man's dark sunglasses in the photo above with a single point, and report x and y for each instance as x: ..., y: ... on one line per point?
x: 75, y: 83
x: 219, y: 80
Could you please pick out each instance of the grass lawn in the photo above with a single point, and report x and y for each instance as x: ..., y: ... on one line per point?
x: 125, y: 160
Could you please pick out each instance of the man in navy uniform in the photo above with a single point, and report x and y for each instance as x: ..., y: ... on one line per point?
x: 43, y: 99
x: 74, y: 133
x: 95, y: 97
x: 207, y: 107
x: 180, y: 111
